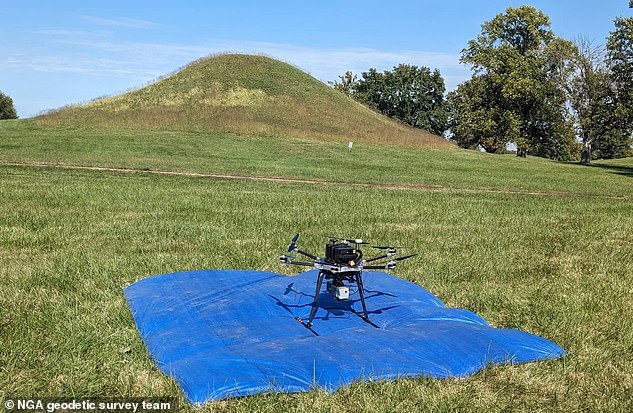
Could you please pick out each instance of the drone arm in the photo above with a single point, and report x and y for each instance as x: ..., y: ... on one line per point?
x: 380, y: 257
x: 301, y: 263
x: 307, y: 254
x: 405, y: 257
x: 388, y: 266
x: 284, y: 259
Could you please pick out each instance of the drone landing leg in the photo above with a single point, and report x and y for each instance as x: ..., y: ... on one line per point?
x: 316, y: 298
x: 359, y: 283
x: 306, y: 326
x: 361, y: 289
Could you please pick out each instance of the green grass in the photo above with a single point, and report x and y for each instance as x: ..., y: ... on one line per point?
x: 221, y: 153
x: 555, y: 265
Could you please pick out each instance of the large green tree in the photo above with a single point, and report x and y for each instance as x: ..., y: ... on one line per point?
x: 477, y: 119
x: 412, y: 94
x: 7, y: 110
x: 513, y: 95
x: 620, y: 64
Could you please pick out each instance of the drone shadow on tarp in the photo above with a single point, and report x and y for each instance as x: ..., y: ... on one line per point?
x: 290, y: 289
x: 334, y: 308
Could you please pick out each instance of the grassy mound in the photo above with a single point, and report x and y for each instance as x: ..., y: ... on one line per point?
x: 245, y: 95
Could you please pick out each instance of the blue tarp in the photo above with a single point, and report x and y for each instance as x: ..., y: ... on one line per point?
x: 226, y: 333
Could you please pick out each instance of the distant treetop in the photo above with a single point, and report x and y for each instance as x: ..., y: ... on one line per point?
x: 7, y: 110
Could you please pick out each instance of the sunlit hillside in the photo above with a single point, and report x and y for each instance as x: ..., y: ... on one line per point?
x: 246, y: 95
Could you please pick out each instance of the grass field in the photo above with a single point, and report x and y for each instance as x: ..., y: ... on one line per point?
x: 26, y: 141
x: 526, y: 243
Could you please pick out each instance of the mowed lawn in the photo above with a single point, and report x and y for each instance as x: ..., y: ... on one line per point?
x: 558, y: 263
x: 26, y: 141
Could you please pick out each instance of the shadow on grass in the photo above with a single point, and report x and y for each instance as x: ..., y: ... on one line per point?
x: 616, y: 169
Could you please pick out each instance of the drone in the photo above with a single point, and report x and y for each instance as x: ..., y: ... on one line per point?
x: 342, y: 266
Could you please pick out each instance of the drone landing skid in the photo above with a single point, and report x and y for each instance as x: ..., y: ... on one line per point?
x: 355, y: 277
x: 356, y: 313
x: 365, y: 319
x: 306, y: 326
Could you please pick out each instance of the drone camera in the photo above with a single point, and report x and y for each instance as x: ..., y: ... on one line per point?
x: 342, y: 253
x: 340, y: 292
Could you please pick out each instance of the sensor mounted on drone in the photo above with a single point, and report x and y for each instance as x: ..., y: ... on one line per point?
x: 342, y: 266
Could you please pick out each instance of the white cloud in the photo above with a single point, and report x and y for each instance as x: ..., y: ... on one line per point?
x: 328, y: 64
x: 60, y: 32
x: 154, y: 59
x: 120, y: 22
x: 78, y: 65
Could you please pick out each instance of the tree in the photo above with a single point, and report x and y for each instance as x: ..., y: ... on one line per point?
x: 476, y: 120
x: 620, y: 65
x: 7, y: 110
x: 515, y: 77
x: 590, y: 102
x: 412, y: 94
x: 347, y: 84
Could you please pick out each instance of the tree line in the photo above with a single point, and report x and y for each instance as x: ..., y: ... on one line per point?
x: 548, y: 96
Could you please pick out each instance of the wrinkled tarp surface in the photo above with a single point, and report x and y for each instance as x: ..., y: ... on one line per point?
x: 226, y: 333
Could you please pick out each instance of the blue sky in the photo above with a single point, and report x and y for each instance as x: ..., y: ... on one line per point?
x: 55, y: 53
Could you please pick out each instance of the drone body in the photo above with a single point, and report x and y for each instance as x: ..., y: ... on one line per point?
x: 342, y: 266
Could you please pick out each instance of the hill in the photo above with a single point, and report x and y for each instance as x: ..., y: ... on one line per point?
x: 246, y: 95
